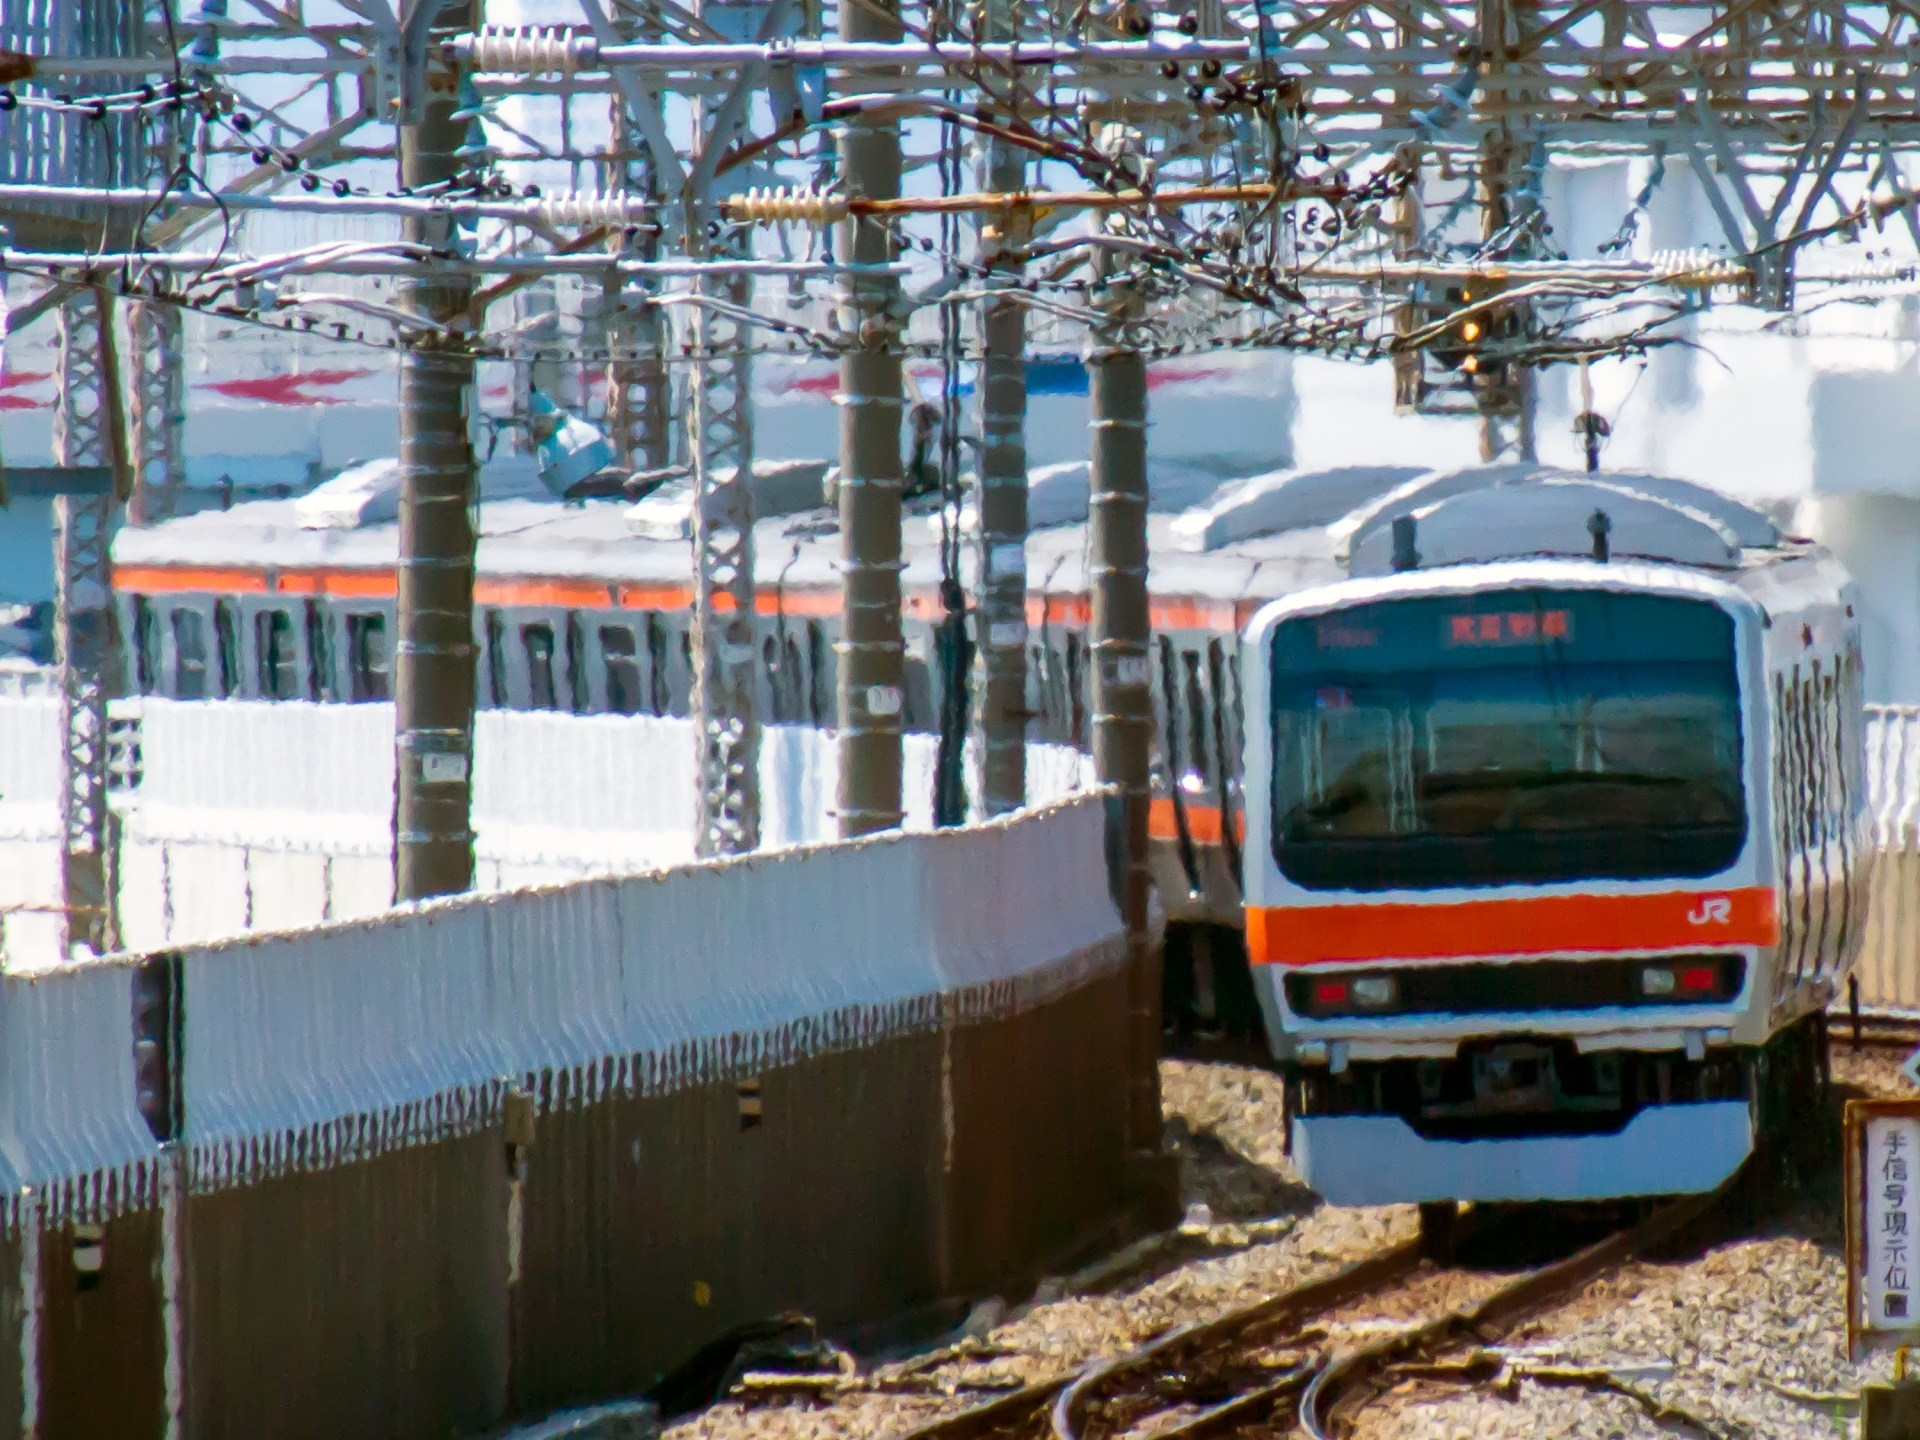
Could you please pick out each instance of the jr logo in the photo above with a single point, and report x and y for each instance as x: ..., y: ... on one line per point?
x: 1712, y: 910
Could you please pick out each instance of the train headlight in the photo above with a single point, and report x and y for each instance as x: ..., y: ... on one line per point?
x: 1375, y: 992
x: 1656, y: 980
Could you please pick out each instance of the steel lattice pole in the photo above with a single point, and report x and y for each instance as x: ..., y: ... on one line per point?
x: 640, y: 399
x: 869, y: 684
x: 720, y: 449
x: 434, y: 660
x: 85, y: 631
x: 157, y: 362
x: 639, y: 385
x: 156, y: 349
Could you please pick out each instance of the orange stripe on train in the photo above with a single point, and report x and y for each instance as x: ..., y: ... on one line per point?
x: 1166, y: 614
x: 1203, y: 823
x: 1534, y: 925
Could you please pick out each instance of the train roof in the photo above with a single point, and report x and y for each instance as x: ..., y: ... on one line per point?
x: 1232, y: 541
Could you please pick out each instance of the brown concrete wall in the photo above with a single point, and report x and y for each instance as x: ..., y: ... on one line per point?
x: 11, y: 1316
x: 375, y: 1298
x: 1039, y: 1108
x: 820, y: 1080
x: 365, y: 1301
x: 943, y: 1165
x: 655, y: 1224
x: 102, y: 1348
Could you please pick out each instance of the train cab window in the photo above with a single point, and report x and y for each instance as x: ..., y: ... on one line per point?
x: 146, y: 645
x: 274, y: 648
x: 617, y: 647
x: 189, y: 655
x: 367, y: 674
x: 537, y: 640
x: 226, y: 634
x: 1511, y: 737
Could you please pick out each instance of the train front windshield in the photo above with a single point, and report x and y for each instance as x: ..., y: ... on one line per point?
x: 1520, y: 736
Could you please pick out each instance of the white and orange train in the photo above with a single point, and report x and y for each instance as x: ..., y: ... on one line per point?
x: 1553, y: 832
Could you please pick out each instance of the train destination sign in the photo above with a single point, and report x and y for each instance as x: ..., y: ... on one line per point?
x: 1882, y: 1139
x: 1507, y: 627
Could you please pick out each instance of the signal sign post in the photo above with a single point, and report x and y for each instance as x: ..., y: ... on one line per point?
x: 1882, y: 1145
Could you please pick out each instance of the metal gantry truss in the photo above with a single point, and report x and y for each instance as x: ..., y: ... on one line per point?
x: 1360, y: 178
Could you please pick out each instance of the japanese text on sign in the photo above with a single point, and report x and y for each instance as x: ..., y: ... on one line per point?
x: 1335, y: 634
x: 1510, y: 627
x: 1892, y: 1223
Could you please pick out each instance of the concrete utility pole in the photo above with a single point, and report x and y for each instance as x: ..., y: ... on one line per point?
x: 1505, y: 391
x: 1502, y: 390
x: 434, y: 659
x: 869, y: 685
x: 1002, y: 644
x: 1122, y: 702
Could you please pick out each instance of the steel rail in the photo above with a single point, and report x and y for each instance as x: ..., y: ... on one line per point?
x: 1068, y: 1395
x: 1349, y: 1374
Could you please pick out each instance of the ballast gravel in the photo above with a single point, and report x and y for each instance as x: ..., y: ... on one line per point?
x: 1743, y: 1339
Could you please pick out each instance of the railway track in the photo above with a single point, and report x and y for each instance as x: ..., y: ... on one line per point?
x: 1876, y: 1028
x: 1261, y: 1365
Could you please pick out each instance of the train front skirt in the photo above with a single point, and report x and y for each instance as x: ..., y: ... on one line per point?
x: 1663, y: 1150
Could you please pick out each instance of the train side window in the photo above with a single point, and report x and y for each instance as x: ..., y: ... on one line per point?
x: 496, y: 659
x: 146, y: 645
x: 623, y: 669
x: 820, y: 702
x: 577, y: 664
x: 319, y: 654
x: 1195, y: 701
x: 796, y: 680
x: 189, y: 655
x: 273, y: 644
x: 226, y: 634
x: 367, y: 677
x: 538, y: 642
x: 658, y: 696
x: 1076, y: 693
